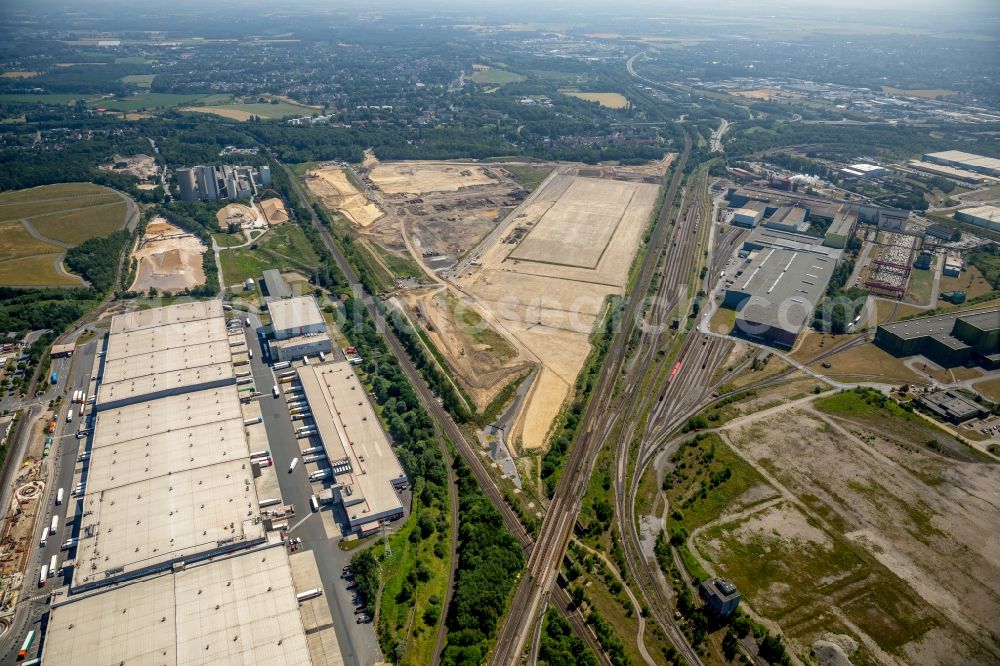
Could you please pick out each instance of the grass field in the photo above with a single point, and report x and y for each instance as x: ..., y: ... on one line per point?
x: 285, y: 247
x: 69, y: 213
x: 17, y: 243
x: 528, y: 177
x: 245, y: 111
x: 148, y: 101
x: 497, y: 77
x: 970, y: 281
x: 18, y: 75
x: 920, y: 286
x: 35, y: 271
x: 76, y: 226
x: 132, y: 60
x: 867, y: 360
x: 48, y: 98
x: 610, y: 100
x: 139, y: 80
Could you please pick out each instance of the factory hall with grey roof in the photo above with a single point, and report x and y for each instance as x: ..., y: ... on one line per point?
x: 775, y: 293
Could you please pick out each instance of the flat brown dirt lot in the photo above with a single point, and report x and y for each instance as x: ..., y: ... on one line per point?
x: 548, y: 295
x: 876, y: 537
x: 424, y: 177
x: 482, y: 360
x: 169, y: 259
x: 336, y: 192
x: 868, y: 362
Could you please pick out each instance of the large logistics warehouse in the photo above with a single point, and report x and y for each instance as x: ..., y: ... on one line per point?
x: 236, y: 610
x: 174, y: 562
x: 981, y: 216
x: 968, y: 161
x: 367, y: 473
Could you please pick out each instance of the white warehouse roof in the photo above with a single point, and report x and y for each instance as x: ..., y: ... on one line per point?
x: 236, y: 610
x: 351, y: 432
x: 295, y: 313
x: 171, y: 314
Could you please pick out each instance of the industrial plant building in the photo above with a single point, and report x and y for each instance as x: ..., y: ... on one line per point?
x: 366, y: 473
x: 866, y: 171
x: 951, y: 406
x: 747, y: 217
x: 981, y: 216
x: 720, y: 596
x: 299, y: 328
x: 968, y: 161
x: 210, y: 183
x: 176, y: 560
x: 777, y: 292
x: 949, y: 340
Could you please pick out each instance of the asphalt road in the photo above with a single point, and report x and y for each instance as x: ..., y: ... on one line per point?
x: 74, y: 373
x: 358, y: 644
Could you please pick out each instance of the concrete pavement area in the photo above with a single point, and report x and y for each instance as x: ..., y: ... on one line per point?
x: 319, y: 531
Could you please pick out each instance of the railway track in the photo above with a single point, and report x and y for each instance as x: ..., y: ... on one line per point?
x: 560, y: 516
x: 560, y: 597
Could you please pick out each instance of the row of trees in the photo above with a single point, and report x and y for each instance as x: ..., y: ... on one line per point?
x: 489, y: 560
x: 96, y: 259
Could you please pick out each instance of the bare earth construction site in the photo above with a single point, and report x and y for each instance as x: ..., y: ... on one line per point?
x: 544, y: 281
x: 506, y: 296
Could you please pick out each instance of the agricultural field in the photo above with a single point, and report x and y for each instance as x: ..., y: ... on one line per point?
x: 18, y: 75
x: 139, y: 80
x: 46, y: 98
x: 38, y: 225
x: 924, y: 93
x: 150, y: 101
x: 609, y: 100
x: 494, y: 76
x: 874, y: 524
x: 243, y: 112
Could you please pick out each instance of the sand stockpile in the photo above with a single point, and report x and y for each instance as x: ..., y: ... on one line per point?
x: 338, y: 193
x: 418, y: 178
x: 275, y: 211
x: 170, y: 260
x: 244, y: 216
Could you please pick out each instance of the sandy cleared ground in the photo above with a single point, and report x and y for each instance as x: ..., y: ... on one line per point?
x: 243, y: 215
x: 877, y: 538
x: 169, y: 259
x: 336, y: 192
x: 274, y: 210
x: 549, y: 300
x: 483, y: 361
x: 419, y: 178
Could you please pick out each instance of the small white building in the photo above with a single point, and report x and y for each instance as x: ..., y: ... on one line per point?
x: 747, y: 217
